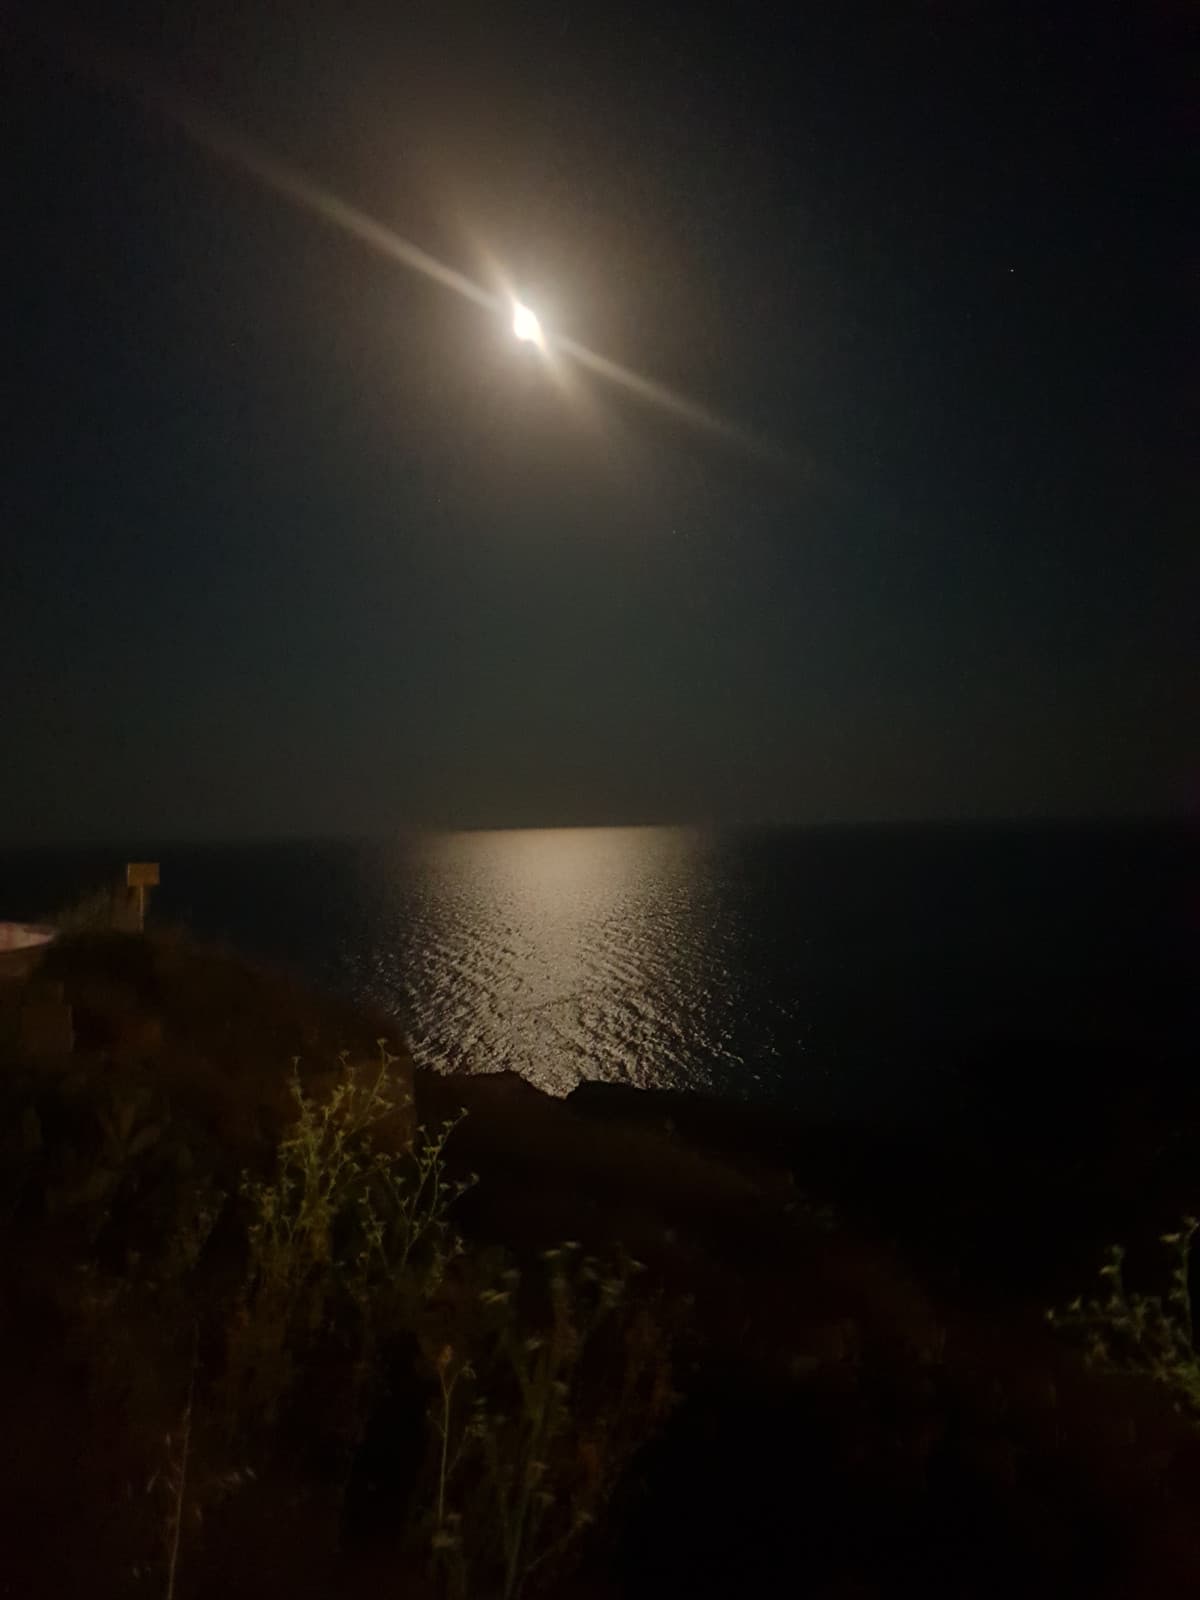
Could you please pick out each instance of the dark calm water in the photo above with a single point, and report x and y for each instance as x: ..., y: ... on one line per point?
x: 825, y: 967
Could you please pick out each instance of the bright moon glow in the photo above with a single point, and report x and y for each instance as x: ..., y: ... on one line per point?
x: 224, y: 142
x: 525, y: 324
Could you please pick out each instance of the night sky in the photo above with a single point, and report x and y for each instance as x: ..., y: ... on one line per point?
x: 296, y: 541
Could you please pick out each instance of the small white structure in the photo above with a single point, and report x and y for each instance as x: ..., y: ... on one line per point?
x: 23, y: 935
x: 21, y: 943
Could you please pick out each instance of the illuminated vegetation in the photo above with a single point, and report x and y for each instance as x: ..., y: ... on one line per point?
x: 1144, y: 1335
x: 313, y: 1329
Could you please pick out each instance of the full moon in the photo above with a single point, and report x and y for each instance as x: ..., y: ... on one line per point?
x: 525, y: 324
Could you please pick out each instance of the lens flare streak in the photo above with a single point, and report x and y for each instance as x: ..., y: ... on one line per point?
x: 211, y: 132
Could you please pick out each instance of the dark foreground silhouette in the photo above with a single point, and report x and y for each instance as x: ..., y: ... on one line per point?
x: 624, y: 1344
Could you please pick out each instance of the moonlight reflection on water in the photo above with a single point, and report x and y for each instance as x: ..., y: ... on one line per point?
x: 564, y: 954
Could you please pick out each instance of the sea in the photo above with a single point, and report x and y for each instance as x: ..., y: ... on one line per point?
x: 847, y: 971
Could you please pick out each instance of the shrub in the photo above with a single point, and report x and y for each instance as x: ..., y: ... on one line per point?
x: 343, y: 1217
x: 533, y: 1428
x: 1148, y: 1335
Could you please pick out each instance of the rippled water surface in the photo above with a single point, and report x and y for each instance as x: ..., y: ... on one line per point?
x: 568, y: 954
x: 792, y: 965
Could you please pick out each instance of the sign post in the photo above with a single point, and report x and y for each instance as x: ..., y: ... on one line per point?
x: 141, y: 875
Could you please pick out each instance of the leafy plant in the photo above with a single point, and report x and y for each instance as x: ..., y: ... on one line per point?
x: 177, y: 1482
x: 405, y: 1237
x: 343, y: 1214
x: 125, y: 1131
x: 558, y: 1405
x: 197, y: 1213
x: 1149, y: 1335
